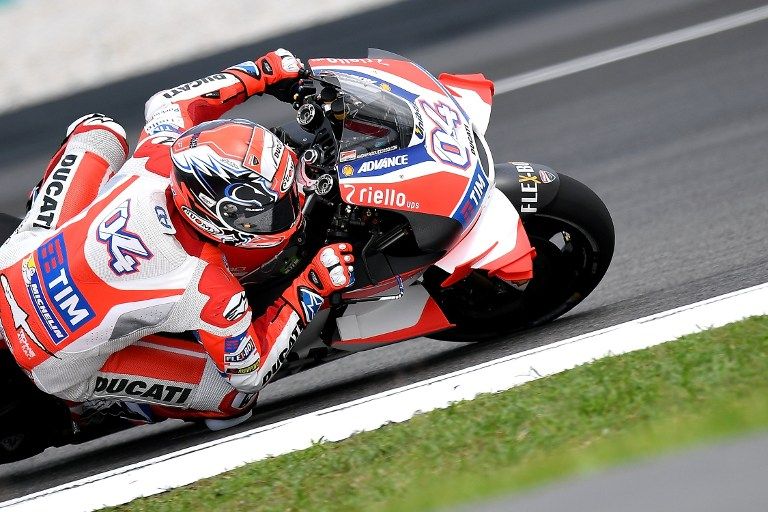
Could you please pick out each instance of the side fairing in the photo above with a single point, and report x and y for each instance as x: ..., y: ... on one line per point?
x: 496, y: 243
x: 474, y: 93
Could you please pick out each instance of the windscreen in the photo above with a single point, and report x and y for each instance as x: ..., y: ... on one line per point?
x: 376, y: 120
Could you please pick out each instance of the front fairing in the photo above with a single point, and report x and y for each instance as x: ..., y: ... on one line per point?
x: 434, y: 168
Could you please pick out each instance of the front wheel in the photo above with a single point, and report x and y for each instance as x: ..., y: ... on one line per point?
x: 574, y: 239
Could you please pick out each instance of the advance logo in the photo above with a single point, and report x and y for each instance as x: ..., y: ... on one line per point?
x: 390, y: 162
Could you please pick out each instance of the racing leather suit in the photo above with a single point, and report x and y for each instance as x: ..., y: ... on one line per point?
x: 103, y: 262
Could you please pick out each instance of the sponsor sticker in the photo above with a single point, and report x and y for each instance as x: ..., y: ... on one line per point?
x: 347, y: 170
x: 470, y: 139
x: 546, y: 176
x: 163, y: 140
x: 386, y: 197
x: 149, y: 390
x: 346, y: 156
x: 378, y: 151
x: 24, y: 344
x: 479, y: 187
x: 240, y: 371
x: 383, y: 163
x: 243, y: 351
x: 54, y: 189
x: 418, y: 127
x: 154, y: 128
x: 529, y: 187
x: 285, y: 184
x: 355, y: 61
x: 200, y: 222
x: 282, y: 357
x: 66, y: 298
x: 190, y: 86
x: 473, y: 198
x: 164, y: 219
x: 243, y: 399
x: 24, y: 332
x: 277, y: 152
x: 240, y: 351
x: 315, y: 279
x: 40, y: 302
x: 231, y: 345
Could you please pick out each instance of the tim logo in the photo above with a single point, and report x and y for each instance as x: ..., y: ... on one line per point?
x: 123, y: 246
x: 64, y: 294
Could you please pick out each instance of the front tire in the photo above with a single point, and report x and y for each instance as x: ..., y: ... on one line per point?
x: 574, y: 240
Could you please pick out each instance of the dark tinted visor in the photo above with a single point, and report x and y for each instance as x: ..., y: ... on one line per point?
x: 257, y: 220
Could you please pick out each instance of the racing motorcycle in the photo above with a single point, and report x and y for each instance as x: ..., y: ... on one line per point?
x: 448, y: 243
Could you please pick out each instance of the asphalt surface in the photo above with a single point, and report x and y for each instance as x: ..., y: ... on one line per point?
x: 700, y: 480
x: 673, y: 141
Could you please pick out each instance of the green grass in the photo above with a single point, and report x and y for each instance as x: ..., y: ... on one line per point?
x: 699, y: 388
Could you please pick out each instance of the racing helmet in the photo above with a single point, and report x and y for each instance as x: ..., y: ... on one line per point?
x: 233, y: 181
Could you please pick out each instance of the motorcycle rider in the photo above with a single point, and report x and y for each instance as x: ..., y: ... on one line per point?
x: 109, y: 255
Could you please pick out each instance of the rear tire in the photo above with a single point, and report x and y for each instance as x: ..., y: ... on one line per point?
x: 574, y: 240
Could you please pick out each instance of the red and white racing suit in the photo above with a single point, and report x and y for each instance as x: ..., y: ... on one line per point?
x: 103, y: 262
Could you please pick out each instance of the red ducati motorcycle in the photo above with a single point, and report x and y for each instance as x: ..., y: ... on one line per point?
x: 449, y: 244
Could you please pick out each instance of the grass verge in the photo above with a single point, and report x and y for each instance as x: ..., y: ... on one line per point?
x: 699, y: 388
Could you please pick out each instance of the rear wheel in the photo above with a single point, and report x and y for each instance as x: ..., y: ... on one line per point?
x: 574, y: 239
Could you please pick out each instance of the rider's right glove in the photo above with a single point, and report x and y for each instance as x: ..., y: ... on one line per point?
x: 276, y: 73
x: 329, y: 271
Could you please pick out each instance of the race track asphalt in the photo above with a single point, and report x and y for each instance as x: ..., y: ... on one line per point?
x: 674, y: 141
x: 727, y: 476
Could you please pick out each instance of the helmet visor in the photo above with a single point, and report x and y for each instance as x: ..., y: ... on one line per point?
x: 254, y: 219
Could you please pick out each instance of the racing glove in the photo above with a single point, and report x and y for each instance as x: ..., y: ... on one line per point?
x: 275, y: 73
x: 329, y: 271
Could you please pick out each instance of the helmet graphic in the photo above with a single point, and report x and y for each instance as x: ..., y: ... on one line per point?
x: 233, y: 180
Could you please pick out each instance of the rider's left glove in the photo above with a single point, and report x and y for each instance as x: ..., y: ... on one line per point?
x: 280, y: 70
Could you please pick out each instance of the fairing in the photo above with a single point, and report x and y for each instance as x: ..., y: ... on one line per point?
x: 445, y: 170
x: 367, y: 325
x: 439, y: 171
x: 474, y: 93
x: 509, y: 257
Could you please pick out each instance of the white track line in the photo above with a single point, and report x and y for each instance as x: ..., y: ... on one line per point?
x: 369, y: 413
x: 626, y: 51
